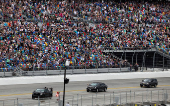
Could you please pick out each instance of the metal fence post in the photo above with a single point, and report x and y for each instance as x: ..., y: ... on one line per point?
x: 72, y: 100
x: 104, y: 98
x: 85, y: 67
x: 33, y: 70
x: 120, y: 98
x: 77, y: 99
x: 4, y: 72
x: 17, y: 101
x: 96, y: 98
x: 142, y: 97
x: 113, y: 97
x: 134, y: 97
x: 158, y: 95
x: 130, y: 96
x: 126, y: 97
x: 151, y: 96
x: 49, y: 101
x: 163, y: 95
x: 92, y: 99
x: 147, y: 95
x: 110, y: 99
x: 38, y: 101
x: 60, y: 70
x: 81, y: 100
x: 166, y: 97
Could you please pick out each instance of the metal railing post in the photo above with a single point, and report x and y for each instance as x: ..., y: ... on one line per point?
x: 92, y: 99
x: 166, y: 97
x: 110, y: 99
x: 163, y: 99
x: 120, y: 98
x: 142, y: 97
x: 77, y: 99
x: 46, y: 72
x: 4, y: 72
x: 104, y: 99
x: 113, y: 97
x: 134, y: 97
x: 17, y: 101
x: 97, y: 67
x: 60, y: 69
x: 96, y: 98
x: 33, y: 70
x: 126, y: 97
x: 163, y: 95
x: 85, y: 67
x: 72, y: 100
x: 147, y: 95
x: 151, y: 96
x: 158, y: 95
x: 130, y: 96
x: 81, y: 100
x: 163, y: 61
x: 38, y: 101
x: 49, y: 101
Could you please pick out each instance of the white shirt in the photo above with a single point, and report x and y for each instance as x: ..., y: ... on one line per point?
x: 67, y: 105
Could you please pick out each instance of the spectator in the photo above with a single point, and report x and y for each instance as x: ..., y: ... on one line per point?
x: 42, y: 35
x: 67, y: 104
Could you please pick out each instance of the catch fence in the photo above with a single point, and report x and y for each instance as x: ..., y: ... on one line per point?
x: 109, y: 98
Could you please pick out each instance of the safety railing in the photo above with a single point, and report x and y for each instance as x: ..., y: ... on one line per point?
x: 108, y: 98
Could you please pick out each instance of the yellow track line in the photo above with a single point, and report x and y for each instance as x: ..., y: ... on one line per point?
x: 80, y: 90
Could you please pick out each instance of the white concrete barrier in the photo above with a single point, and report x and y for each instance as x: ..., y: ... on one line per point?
x: 81, y: 77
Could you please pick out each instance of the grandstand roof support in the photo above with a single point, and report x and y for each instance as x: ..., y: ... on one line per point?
x: 154, y: 61
x: 143, y: 63
x: 163, y: 61
x: 121, y: 60
x: 132, y: 58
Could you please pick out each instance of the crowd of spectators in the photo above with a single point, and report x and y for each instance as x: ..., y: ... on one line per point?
x: 44, y: 34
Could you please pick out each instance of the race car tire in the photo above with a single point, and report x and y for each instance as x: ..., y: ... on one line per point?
x: 141, y: 86
x: 87, y: 90
x: 150, y: 86
x: 97, y: 90
x: 155, y: 85
x: 105, y: 89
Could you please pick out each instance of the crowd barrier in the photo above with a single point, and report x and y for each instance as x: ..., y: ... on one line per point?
x: 108, y: 98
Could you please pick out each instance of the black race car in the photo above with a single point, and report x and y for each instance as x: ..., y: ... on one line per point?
x: 97, y: 86
x: 149, y: 82
x: 43, y: 93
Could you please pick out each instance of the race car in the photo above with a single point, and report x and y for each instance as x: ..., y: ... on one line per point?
x: 149, y: 82
x: 96, y: 86
x: 43, y: 93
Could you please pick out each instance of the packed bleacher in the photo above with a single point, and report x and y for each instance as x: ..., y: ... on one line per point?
x: 42, y: 35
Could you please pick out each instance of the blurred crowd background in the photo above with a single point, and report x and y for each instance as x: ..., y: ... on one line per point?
x: 38, y: 35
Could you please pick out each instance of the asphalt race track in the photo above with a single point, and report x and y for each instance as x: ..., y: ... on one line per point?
x: 76, y: 92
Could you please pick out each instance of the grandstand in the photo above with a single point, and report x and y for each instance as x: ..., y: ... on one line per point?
x: 38, y: 35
